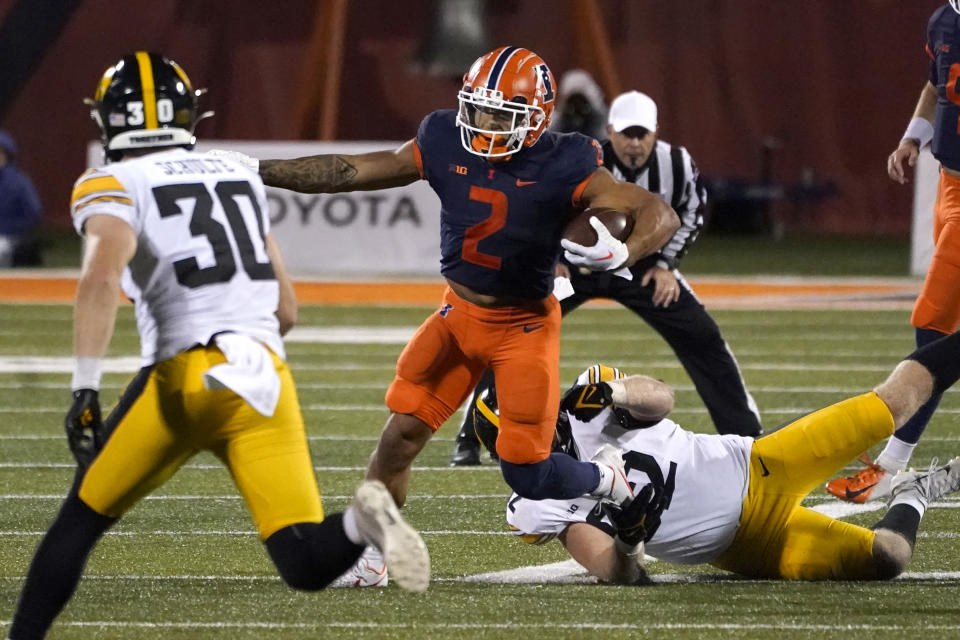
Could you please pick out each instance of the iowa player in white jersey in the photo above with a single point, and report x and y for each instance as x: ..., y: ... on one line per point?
x: 730, y: 500
x: 186, y: 236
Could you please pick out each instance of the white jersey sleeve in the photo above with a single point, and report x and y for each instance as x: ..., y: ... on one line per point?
x: 201, y: 265
x: 99, y: 191
x: 540, y: 521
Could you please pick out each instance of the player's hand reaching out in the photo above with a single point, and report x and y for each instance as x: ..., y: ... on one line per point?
x: 906, y: 152
x: 666, y: 287
x: 606, y: 254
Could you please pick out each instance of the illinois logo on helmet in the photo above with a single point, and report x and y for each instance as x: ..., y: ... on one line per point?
x: 145, y: 100
x: 505, y: 103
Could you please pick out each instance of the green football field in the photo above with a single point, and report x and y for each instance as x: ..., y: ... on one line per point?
x: 187, y: 564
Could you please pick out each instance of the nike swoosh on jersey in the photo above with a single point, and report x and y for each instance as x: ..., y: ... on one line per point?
x: 527, y: 328
x: 525, y: 183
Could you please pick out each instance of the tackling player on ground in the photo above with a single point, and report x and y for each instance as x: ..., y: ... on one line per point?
x: 186, y: 236
x: 729, y: 500
x: 507, y: 186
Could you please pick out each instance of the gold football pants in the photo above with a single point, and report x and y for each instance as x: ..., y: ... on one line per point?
x: 166, y: 416
x: 778, y: 538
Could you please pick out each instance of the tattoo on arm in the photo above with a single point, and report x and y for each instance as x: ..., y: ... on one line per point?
x: 315, y: 174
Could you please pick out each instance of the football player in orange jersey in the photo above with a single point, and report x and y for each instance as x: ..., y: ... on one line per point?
x: 936, y: 121
x: 507, y: 187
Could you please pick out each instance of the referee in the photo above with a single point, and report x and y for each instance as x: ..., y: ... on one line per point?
x: 653, y: 288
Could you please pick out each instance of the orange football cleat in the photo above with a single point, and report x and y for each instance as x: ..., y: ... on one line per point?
x: 870, y: 483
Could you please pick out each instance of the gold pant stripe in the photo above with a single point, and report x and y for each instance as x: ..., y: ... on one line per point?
x: 174, y: 417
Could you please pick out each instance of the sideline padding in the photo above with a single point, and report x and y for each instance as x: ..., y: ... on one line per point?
x: 760, y: 292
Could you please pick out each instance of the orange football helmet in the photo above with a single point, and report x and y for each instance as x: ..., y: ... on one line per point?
x: 505, y: 103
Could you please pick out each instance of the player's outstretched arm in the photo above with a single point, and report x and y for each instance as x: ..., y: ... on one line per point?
x: 336, y: 173
x: 645, y: 397
x: 654, y: 221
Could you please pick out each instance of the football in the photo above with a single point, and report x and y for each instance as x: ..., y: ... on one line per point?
x: 579, y: 230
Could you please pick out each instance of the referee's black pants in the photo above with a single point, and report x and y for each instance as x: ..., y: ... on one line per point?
x: 694, y: 337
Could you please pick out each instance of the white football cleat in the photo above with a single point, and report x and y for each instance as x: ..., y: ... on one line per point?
x: 928, y: 486
x: 381, y: 525
x: 369, y: 571
x: 613, y: 486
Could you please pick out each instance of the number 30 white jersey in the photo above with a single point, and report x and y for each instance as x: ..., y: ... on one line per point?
x: 201, y: 265
x: 705, y: 477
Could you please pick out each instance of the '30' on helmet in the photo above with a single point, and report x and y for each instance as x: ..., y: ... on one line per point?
x: 145, y: 100
x: 505, y: 103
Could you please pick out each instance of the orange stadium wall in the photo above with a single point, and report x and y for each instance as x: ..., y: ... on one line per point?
x: 834, y: 81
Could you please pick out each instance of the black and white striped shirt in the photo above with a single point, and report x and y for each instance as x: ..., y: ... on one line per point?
x: 670, y: 173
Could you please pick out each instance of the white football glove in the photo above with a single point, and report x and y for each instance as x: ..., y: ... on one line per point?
x: 606, y: 255
x: 241, y: 158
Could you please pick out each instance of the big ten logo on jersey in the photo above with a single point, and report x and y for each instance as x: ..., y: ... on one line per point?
x: 370, y: 209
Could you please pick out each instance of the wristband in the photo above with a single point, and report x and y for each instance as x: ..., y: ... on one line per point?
x: 86, y: 374
x: 920, y: 130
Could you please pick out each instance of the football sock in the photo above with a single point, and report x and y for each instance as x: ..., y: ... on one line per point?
x: 350, y: 527
x: 902, y: 518
x: 56, y: 567
x: 559, y: 477
x: 896, y: 454
x: 608, y: 486
x: 311, y: 555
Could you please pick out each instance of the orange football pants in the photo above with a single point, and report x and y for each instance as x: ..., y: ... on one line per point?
x: 443, y: 362
x: 938, y: 306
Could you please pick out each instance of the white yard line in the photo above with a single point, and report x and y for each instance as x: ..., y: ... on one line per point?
x: 130, y: 364
x: 508, y: 626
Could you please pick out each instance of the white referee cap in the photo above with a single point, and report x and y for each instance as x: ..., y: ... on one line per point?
x: 633, y: 109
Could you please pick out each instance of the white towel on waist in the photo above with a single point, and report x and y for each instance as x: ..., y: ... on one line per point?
x: 248, y: 372
x: 562, y: 288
